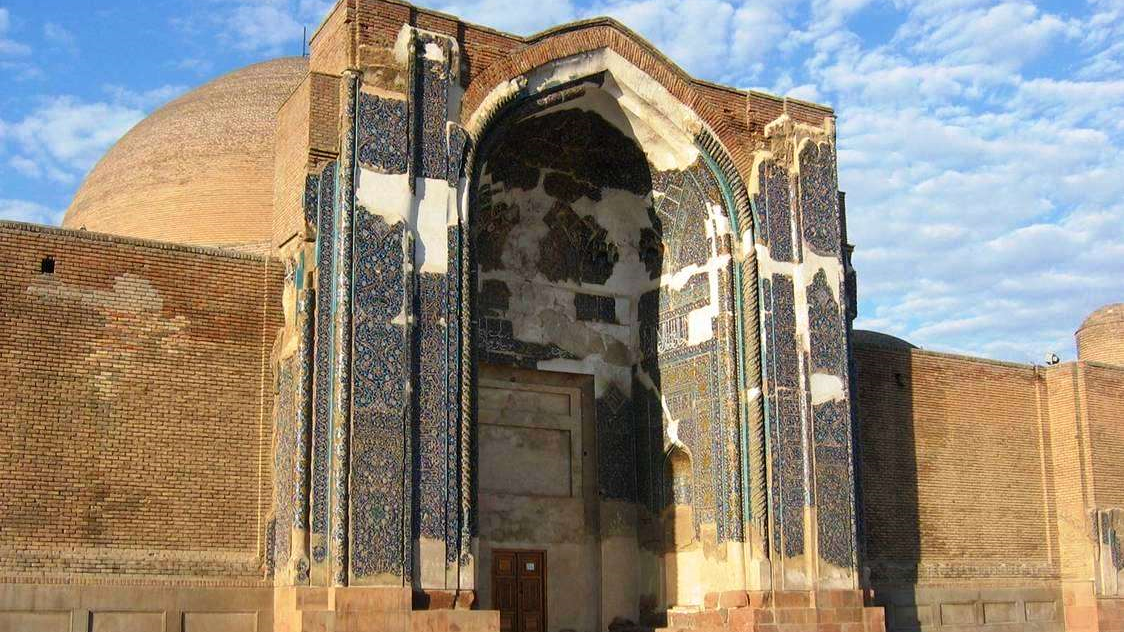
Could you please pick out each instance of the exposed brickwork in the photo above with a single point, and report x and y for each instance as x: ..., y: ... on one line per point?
x: 598, y: 34
x: 324, y: 114
x: 1104, y: 397
x: 291, y: 164
x: 1070, y: 467
x: 952, y: 466
x: 307, y: 135
x: 135, y: 431
x: 984, y: 475
x: 331, y: 49
x: 781, y: 611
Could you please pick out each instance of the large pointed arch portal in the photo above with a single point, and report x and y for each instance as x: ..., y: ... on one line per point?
x: 578, y: 230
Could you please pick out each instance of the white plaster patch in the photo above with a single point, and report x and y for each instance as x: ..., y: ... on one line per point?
x: 700, y: 324
x: 623, y: 215
x: 721, y: 222
x: 672, y: 426
x: 499, y: 94
x: 832, y: 267
x: 431, y: 219
x: 433, y: 52
x: 431, y: 553
x: 825, y: 387
x: 385, y: 195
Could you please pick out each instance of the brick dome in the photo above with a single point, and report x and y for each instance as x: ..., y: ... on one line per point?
x: 1101, y: 337
x: 198, y: 170
x: 868, y: 338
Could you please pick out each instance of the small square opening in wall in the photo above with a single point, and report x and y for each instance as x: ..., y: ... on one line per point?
x: 47, y: 265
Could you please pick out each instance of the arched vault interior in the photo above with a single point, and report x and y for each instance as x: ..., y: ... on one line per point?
x: 602, y: 246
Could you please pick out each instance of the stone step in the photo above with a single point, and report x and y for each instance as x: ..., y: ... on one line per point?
x: 697, y: 619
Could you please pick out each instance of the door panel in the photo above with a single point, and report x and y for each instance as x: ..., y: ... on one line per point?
x: 505, y: 589
x: 519, y: 590
x: 531, y: 591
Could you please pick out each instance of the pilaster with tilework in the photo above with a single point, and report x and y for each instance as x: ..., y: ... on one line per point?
x: 806, y: 383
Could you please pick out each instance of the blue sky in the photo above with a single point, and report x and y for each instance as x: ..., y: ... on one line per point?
x: 979, y: 141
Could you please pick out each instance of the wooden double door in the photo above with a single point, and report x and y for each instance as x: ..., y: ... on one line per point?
x: 519, y: 589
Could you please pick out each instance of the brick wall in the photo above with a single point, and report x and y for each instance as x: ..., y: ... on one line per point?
x: 1070, y: 468
x: 953, y: 462
x: 324, y: 113
x: 330, y: 49
x: 135, y: 428
x: 1104, y: 393
x: 291, y: 164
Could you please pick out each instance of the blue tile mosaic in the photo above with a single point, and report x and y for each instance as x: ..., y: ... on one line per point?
x: 322, y: 365
x: 776, y: 200
x: 383, y: 141
x: 380, y: 450
x: 819, y: 199
x: 828, y: 336
x: 430, y: 106
x: 430, y: 405
x: 306, y: 303
x: 284, y: 456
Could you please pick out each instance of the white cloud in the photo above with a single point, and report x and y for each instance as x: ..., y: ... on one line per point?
x: 514, y: 16
x: 265, y: 26
x: 271, y: 27
x: 983, y: 191
x: 1009, y: 34
x: 677, y: 28
x: 26, y: 166
x: 146, y: 99
x: 10, y: 47
x: 27, y: 211
x: 65, y: 136
x: 60, y: 37
x: 195, y: 65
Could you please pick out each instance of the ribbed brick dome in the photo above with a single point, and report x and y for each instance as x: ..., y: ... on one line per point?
x: 198, y: 170
x: 1101, y: 336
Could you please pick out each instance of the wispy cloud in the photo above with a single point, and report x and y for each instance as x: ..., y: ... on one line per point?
x: 9, y: 47
x: 60, y: 37
x: 65, y: 136
x: 269, y: 27
x: 145, y: 99
x: 27, y: 211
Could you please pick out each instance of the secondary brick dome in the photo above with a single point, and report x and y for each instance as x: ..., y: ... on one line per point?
x: 198, y: 170
x: 1101, y: 337
x: 867, y: 338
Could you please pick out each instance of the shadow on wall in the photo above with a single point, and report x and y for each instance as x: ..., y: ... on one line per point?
x: 888, y: 470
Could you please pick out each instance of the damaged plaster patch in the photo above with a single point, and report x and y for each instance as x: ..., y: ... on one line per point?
x: 430, y: 210
x: 385, y: 195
